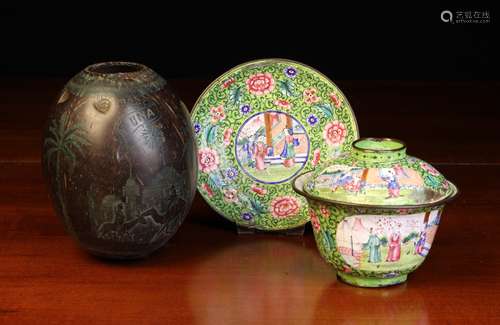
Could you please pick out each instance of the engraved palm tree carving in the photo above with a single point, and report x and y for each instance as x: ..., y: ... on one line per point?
x: 64, y: 139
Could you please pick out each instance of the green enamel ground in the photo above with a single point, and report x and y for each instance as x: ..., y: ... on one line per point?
x: 274, y: 173
x: 379, y: 145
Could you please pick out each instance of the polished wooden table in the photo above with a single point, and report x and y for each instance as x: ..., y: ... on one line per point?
x: 207, y: 274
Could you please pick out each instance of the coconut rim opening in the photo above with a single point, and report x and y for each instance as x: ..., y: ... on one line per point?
x: 452, y: 193
x: 115, y: 68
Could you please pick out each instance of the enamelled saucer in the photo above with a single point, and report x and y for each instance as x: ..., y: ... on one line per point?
x: 257, y: 126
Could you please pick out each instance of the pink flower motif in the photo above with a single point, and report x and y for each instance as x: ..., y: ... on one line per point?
x: 336, y: 100
x: 208, y: 160
x: 207, y: 189
x: 260, y: 83
x: 428, y: 168
x: 316, y: 157
x: 258, y: 190
x: 310, y: 96
x: 314, y: 220
x: 283, y: 103
x: 334, y: 133
x: 217, y: 113
x: 227, y: 83
x: 445, y: 184
x: 324, y: 211
x: 284, y: 206
x: 347, y: 269
x: 231, y: 195
x: 227, y: 136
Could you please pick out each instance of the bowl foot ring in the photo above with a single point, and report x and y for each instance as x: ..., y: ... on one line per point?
x: 371, y: 282
x: 298, y: 231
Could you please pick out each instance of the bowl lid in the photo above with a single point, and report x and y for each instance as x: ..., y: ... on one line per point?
x: 378, y: 172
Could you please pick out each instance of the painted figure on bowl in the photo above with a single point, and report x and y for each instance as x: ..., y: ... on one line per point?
x: 352, y: 181
x: 374, y: 247
x: 394, y: 252
x: 419, y: 247
x: 363, y: 240
x: 371, y: 185
x: 389, y: 176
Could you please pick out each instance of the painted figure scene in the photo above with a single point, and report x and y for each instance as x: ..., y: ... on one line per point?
x: 272, y: 147
x: 383, y: 243
x: 395, y: 186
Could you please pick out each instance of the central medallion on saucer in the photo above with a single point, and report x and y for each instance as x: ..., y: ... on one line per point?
x: 272, y: 147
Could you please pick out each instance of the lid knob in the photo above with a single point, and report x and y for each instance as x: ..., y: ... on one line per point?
x: 379, y: 149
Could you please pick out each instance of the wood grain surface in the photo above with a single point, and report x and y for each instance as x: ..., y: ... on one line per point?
x: 207, y: 274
